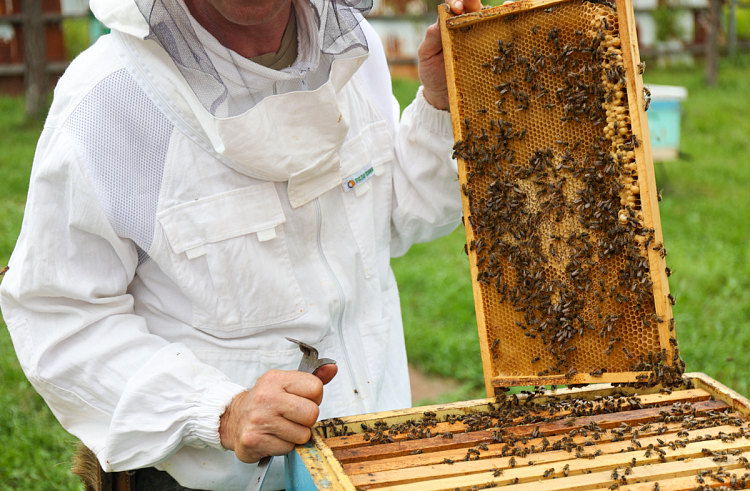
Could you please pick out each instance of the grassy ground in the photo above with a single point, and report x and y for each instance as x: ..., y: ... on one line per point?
x: 705, y: 218
x: 706, y: 223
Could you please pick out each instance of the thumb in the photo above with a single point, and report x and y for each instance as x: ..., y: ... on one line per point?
x: 326, y: 373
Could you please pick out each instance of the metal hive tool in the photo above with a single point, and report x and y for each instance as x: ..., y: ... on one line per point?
x: 560, y: 202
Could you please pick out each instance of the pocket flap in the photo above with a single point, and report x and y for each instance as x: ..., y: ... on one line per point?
x: 372, y: 145
x: 222, y: 216
x: 380, y: 143
x: 354, y: 154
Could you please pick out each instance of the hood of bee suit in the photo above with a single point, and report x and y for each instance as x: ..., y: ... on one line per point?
x: 285, y: 125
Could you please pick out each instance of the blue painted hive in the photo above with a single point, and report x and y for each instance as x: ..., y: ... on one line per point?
x: 664, y: 119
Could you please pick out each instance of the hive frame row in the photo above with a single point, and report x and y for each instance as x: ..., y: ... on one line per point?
x: 314, y: 466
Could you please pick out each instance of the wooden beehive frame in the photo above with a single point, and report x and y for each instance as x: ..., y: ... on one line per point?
x: 349, y: 463
x: 454, y: 26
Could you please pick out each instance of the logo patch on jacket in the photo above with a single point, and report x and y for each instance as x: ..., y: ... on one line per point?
x: 358, y: 177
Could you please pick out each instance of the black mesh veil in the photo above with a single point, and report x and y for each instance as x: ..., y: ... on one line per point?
x: 227, y: 84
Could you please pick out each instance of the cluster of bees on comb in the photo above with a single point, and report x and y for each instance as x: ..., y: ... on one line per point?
x: 546, y: 431
x: 558, y: 228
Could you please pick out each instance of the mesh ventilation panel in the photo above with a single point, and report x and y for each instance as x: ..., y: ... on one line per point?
x: 122, y: 140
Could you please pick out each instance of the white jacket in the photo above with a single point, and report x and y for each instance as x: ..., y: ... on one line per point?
x: 157, y: 273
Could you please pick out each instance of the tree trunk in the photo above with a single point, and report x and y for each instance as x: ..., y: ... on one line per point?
x: 712, y: 43
x: 35, y: 79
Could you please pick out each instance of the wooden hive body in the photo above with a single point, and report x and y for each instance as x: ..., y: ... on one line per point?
x: 560, y: 202
x: 669, y: 439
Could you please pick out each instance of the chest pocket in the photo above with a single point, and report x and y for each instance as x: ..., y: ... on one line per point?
x: 230, y: 257
x: 372, y: 147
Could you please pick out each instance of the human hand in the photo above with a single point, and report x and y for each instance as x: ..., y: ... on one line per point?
x: 275, y: 415
x: 430, y: 57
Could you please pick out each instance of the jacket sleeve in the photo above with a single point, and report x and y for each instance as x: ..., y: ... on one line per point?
x: 426, y: 192
x: 130, y: 396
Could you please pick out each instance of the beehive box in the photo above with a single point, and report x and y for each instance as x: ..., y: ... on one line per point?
x: 560, y: 203
x: 596, y: 438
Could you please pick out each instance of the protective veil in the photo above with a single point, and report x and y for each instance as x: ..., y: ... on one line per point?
x: 235, y: 91
x: 215, y: 73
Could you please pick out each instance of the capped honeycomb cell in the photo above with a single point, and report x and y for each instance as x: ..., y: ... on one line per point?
x: 559, y: 199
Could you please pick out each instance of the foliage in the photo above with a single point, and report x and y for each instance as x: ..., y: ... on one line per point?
x: 75, y: 36
x: 667, y: 22
x: 743, y: 21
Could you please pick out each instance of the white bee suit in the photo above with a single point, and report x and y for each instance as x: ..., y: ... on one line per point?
x: 166, y: 252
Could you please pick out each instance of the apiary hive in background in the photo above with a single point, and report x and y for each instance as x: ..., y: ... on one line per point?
x: 664, y: 121
x: 560, y: 206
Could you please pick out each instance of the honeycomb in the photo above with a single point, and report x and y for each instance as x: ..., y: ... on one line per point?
x: 556, y: 232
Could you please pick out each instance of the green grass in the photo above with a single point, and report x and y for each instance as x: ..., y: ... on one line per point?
x: 16, y: 153
x: 405, y: 89
x: 36, y: 450
x: 705, y: 218
x: 706, y: 223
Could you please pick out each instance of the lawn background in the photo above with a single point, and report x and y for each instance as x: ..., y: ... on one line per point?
x: 705, y: 218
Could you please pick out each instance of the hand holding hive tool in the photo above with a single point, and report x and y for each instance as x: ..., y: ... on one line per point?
x: 310, y: 364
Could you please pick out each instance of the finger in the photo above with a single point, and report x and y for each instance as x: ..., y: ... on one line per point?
x: 457, y: 6
x: 326, y: 373
x: 306, y: 385
x: 287, y: 418
x: 298, y: 410
x: 298, y: 383
x: 257, y: 446
x: 472, y: 5
x: 432, y: 44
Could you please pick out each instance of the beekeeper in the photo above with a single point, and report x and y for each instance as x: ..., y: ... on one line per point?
x: 214, y: 176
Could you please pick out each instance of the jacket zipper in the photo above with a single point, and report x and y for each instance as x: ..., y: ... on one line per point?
x: 342, y: 299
